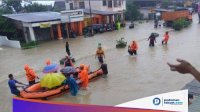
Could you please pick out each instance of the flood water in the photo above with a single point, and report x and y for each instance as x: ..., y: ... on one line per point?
x: 129, y: 78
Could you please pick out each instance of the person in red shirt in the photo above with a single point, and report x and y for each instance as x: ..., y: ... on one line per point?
x: 30, y: 75
x: 166, y: 38
x: 133, y: 48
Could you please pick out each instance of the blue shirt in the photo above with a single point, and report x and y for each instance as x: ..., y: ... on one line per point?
x: 12, y: 85
x: 73, y: 86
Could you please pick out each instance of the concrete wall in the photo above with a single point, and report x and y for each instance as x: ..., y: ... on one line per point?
x: 10, y: 43
x: 98, y: 5
x: 145, y: 12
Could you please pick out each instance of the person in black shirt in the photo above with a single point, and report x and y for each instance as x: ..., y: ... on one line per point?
x: 152, y: 39
x: 68, y: 62
x: 67, y: 49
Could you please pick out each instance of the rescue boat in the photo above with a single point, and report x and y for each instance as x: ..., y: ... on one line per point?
x: 36, y: 92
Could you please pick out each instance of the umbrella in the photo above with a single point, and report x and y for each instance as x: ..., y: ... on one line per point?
x: 52, y: 80
x: 68, y: 70
x: 50, y: 68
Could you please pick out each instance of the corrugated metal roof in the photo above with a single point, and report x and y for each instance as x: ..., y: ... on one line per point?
x: 34, y: 17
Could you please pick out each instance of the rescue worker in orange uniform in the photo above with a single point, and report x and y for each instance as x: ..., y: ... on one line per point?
x: 30, y: 75
x: 133, y: 48
x: 48, y: 62
x: 83, y: 75
x: 166, y: 38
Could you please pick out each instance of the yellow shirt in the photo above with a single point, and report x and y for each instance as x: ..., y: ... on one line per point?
x: 100, y: 52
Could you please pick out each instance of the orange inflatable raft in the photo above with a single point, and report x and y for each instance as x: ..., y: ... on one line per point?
x: 35, y: 91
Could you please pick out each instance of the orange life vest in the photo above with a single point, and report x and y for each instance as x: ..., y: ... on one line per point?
x: 30, y: 75
x: 134, y: 46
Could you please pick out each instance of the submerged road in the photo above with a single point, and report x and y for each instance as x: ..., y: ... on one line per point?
x: 129, y: 78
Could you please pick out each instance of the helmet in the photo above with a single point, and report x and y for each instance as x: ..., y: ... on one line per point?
x: 48, y: 62
x: 26, y: 67
x: 82, y: 65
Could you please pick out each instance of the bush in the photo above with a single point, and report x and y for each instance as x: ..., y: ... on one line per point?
x: 187, y: 23
x: 180, y: 24
x: 29, y: 45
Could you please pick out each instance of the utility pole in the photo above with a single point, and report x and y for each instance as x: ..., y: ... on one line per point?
x: 91, y: 18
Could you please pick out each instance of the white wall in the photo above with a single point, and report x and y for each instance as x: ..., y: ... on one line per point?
x: 98, y: 5
x: 0, y: 2
x: 10, y: 43
x: 145, y: 12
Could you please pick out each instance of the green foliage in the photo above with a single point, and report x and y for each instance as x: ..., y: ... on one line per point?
x: 29, y: 45
x: 132, y: 11
x: 6, y: 26
x: 180, y: 24
x: 165, y: 3
x: 35, y: 8
x: 57, y: 9
x: 16, y: 4
x: 121, y: 43
x: 5, y: 10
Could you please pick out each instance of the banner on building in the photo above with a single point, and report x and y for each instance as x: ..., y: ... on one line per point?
x: 45, y: 25
x: 72, y: 15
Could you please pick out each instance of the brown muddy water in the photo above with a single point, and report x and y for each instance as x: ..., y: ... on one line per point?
x: 129, y: 78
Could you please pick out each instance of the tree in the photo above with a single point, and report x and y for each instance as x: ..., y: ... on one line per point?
x: 35, y: 8
x: 132, y: 11
x: 6, y: 26
x: 165, y: 3
x: 15, y: 4
x: 5, y: 10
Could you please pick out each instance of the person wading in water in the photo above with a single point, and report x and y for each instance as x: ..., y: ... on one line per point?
x: 152, y: 39
x: 133, y: 48
x: 67, y: 49
x: 100, y: 54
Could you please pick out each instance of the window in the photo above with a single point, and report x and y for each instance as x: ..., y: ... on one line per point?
x: 110, y: 3
x: 120, y: 2
x: 71, y: 6
x: 81, y: 5
x: 115, y: 3
x: 104, y: 2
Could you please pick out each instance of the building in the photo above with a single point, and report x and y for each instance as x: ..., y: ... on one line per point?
x: 37, y: 25
x: 146, y: 3
x: 102, y: 12
x: 74, y: 17
x: 106, y: 11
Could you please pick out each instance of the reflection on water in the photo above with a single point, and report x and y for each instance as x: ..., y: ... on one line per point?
x: 129, y: 78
